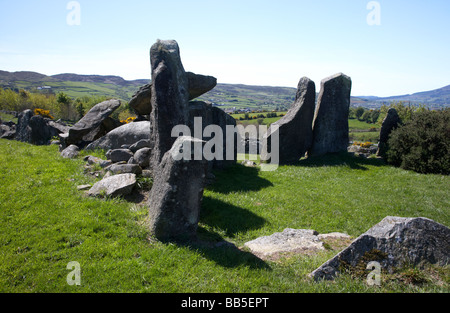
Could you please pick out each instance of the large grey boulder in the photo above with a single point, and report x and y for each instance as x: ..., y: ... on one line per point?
x: 330, y: 126
x: 113, y: 186
x: 170, y: 97
x: 94, y: 124
x: 391, y: 122
x: 295, y: 128
x: 394, y: 242
x: 127, y: 134
x: 175, y: 198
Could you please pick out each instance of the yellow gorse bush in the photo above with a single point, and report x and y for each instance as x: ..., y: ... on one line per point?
x: 366, y: 144
x: 128, y: 120
x: 42, y: 112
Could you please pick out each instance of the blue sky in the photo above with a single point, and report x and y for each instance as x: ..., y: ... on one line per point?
x: 251, y: 42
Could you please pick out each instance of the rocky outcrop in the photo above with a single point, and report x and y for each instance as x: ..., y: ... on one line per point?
x: 391, y: 122
x: 94, y: 124
x: 295, y: 133
x: 36, y: 129
x: 330, y: 126
x: 175, y: 198
x: 394, y: 242
x: 125, y: 134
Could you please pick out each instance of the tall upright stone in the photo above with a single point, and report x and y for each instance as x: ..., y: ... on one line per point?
x: 169, y: 97
x: 330, y: 126
x: 175, y: 198
x: 295, y: 128
x: 390, y: 123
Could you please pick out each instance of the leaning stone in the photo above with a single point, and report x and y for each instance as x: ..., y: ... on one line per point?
x: 119, y: 155
x: 125, y: 168
x: 141, y: 100
x: 89, y: 128
x: 116, y: 185
x: 175, y: 198
x: 394, y: 242
x: 330, y: 126
x: 199, y: 84
x: 295, y: 128
x: 70, y: 152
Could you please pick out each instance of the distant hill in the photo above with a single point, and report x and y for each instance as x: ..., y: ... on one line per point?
x: 224, y: 95
x: 434, y: 98
x: 72, y: 84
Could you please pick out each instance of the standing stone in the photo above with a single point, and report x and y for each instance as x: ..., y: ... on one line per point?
x: 169, y: 97
x: 391, y: 122
x: 23, y: 130
x: 330, y: 127
x: 214, y: 116
x: 394, y: 242
x: 295, y: 128
x: 175, y: 198
x: 90, y: 127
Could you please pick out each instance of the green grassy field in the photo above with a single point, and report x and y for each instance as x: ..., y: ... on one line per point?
x: 47, y: 223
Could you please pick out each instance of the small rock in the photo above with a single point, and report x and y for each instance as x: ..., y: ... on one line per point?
x: 119, y: 155
x: 84, y: 187
x: 143, y: 143
x: 125, y: 168
x: 116, y: 185
x: 70, y: 152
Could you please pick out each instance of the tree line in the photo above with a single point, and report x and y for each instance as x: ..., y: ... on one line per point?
x: 61, y: 106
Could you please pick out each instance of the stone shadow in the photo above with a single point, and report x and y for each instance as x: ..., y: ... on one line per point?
x: 238, y: 178
x: 229, y: 218
x: 341, y: 159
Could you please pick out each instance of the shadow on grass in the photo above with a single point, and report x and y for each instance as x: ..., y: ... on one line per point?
x: 229, y: 218
x: 213, y: 247
x: 238, y: 178
x: 341, y: 159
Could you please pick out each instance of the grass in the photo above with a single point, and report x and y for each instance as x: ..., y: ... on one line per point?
x: 46, y: 223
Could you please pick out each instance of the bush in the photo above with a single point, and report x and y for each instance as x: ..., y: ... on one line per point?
x: 422, y: 144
